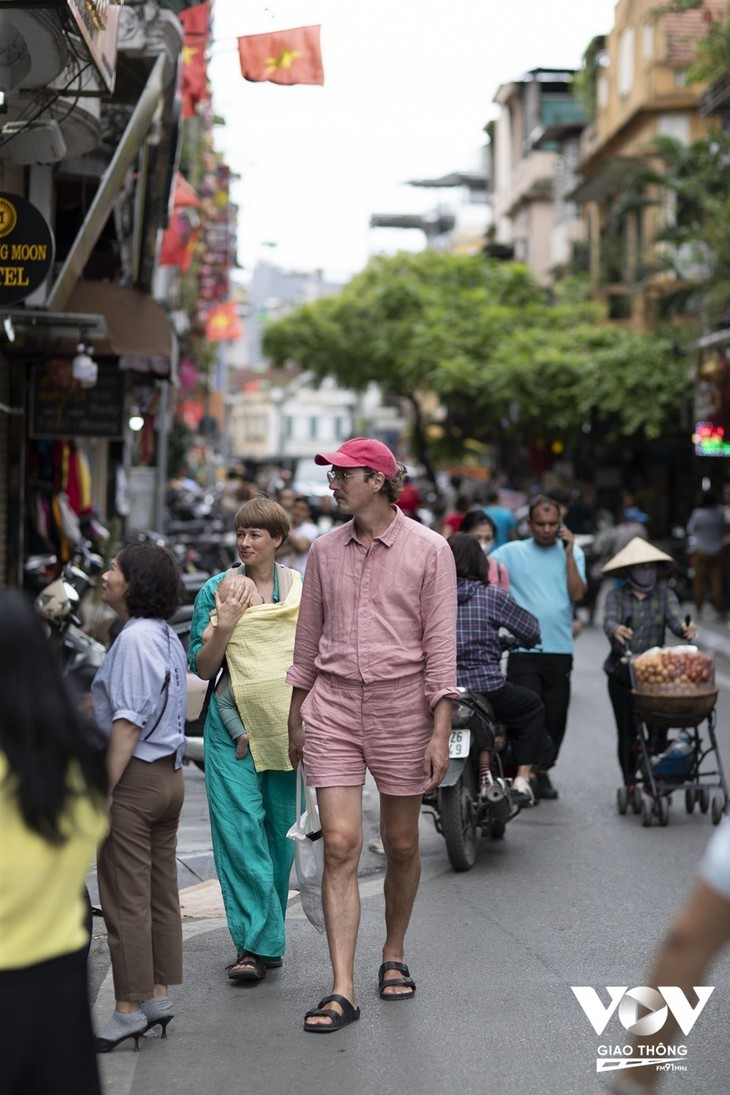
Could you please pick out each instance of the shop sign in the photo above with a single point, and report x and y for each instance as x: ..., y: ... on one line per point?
x: 98, y: 21
x: 61, y: 408
x: 26, y: 249
x: 709, y: 439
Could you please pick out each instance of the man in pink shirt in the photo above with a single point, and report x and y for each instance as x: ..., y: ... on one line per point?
x: 373, y: 678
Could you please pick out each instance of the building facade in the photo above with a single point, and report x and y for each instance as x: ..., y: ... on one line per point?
x: 637, y: 80
x: 88, y: 144
x: 533, y: 221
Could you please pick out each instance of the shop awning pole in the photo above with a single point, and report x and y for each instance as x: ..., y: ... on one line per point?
x: 111, y: 183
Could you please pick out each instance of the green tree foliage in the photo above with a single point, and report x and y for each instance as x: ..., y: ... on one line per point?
x: 486, y: 339
x: 695, y: 242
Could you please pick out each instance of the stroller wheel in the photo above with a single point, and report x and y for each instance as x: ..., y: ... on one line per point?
x: 718, y: 809
x: 663, y: 805
x: 647, y: 809
x: 690, y: 799
x: 622, y: 799
x: 703, y: 797
x: 636, y: 799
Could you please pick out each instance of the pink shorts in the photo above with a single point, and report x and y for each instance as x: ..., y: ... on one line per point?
x: 350, y: 726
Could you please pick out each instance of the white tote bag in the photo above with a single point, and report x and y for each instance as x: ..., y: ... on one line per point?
x: 306, y: 833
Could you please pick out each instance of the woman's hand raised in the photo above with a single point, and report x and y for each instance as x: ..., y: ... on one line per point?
x: 241, y: 594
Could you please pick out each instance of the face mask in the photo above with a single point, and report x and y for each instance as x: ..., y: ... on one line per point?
x: 643, y: 578
x: 486, y: 548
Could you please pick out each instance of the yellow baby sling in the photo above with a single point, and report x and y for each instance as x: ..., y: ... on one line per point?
x: 259, y: 653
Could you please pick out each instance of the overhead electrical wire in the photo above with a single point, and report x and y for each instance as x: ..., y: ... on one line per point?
x: 48, y: 105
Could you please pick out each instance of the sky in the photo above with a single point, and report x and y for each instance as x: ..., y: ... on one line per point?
x: 409, y: 87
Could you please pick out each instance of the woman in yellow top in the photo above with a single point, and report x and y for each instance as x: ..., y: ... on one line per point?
x: 52, y: 816
x: 249, y: 781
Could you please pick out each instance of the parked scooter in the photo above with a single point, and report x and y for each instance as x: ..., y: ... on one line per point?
x: 460, y: 805
x: 80, y: 656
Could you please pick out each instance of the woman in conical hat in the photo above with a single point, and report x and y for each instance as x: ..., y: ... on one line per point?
x: 638, y: 552
x: 636, y: 617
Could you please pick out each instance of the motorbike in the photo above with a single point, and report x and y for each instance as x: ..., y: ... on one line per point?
x: 201, y: 549
x: 79, y: 654
x: 461, y: 805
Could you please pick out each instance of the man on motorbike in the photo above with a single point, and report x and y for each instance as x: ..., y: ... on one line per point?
x: 482, y: 610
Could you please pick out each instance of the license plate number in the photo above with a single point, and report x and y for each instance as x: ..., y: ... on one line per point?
x: 459, y: 742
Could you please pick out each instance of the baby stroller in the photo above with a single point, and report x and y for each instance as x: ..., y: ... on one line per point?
x: 673, y: 690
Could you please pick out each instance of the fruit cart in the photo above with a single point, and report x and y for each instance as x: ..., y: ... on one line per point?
x: 674, y: 696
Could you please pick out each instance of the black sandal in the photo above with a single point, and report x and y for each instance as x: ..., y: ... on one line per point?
x: 247, y: 967
x: 406, y: 980
x: 349, y: 1014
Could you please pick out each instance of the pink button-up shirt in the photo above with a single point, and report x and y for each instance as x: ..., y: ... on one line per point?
x: 381, y: 613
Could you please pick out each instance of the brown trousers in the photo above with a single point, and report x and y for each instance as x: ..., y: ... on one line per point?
x: 137, y: 873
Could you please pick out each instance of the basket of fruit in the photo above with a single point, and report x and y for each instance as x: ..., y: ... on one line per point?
x: 674, y: 685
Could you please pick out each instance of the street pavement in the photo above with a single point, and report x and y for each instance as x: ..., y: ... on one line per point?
x: 574, y: 895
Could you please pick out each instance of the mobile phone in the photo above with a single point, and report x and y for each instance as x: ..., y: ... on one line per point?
x: 561, y: 530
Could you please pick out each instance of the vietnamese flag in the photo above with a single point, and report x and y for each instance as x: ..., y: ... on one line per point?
x: 282, y: 56
x: 179, y: 238
x: 178, y: 244
x: 184, y: 196
x: 173, y: 245
x: 194, y: 75
x: 222, y: 323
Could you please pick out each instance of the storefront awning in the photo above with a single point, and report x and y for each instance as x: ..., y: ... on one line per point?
x: 139, y: 331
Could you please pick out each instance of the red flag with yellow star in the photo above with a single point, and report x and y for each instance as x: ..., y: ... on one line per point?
x: 181, y: 235
x: 194, y: 76
x: 282, y: 56
x: 222, y: 323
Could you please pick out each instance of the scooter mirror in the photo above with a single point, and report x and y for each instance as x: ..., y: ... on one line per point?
x: 71, y: 594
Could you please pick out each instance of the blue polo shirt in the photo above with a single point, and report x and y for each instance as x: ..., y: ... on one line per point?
x: 538, y: 582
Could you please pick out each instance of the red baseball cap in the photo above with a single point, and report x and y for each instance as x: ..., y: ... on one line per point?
x: 361, y: 452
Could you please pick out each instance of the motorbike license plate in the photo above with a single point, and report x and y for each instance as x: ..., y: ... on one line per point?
x: 459, y: 743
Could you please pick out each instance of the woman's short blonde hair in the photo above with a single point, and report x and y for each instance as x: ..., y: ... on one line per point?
x: 265, y: 513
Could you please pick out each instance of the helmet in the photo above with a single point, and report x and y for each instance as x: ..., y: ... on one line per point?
x: 56, y: 601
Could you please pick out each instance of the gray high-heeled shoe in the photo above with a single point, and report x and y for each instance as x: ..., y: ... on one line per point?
x: 120, y: 1026
x: 158, y: 1012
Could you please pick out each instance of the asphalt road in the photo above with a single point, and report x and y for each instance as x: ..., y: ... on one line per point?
x: 575, y: 895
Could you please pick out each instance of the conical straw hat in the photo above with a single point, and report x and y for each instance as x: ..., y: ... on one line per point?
x: 636, y: 552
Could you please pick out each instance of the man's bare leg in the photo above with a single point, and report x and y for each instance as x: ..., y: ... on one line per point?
x: 399, y: 816
x: 340, y: 812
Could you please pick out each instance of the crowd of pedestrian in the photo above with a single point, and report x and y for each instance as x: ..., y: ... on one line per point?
x: 301, y: 641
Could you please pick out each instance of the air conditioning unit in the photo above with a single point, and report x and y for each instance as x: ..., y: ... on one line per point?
x: 24, y: 143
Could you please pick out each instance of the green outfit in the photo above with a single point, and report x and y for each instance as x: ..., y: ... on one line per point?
x: 250, y: 814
